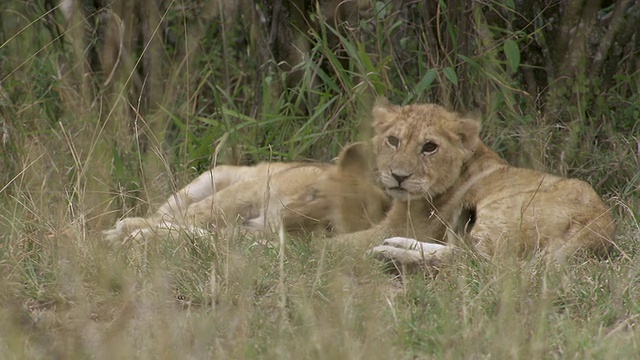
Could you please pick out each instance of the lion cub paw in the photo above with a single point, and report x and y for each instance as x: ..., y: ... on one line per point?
x: 410, y: 253
x: 412, y: 244
x: 123, y: 228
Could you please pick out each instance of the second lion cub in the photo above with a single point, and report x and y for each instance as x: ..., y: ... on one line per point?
x: 316, y: 197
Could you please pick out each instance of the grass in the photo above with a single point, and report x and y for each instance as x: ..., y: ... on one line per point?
x: 76, y: 155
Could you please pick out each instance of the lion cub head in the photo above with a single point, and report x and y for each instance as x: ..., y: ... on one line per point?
x: 344, y: 199
x: 420, y: 149
x: 357, y: 201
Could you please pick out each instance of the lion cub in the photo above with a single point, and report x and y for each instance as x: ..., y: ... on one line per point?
x: 314, y: 197
x: 444, y: 181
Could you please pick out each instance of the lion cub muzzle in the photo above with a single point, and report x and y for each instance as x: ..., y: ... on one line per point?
x: 399, y: 178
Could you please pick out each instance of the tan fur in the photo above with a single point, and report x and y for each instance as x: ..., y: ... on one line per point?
x: 302, y: 196
x: 517, y: 210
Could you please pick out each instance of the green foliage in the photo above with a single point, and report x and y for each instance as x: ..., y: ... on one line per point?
x: 512, y: 53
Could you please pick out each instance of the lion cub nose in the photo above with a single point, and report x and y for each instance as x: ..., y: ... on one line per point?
x: 400, y: 178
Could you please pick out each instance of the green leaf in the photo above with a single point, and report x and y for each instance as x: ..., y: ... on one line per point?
x: 450, y: 74
x: 396, y: 25
x: 512, y: 52
x: 510, y: 4
x: 381, y: 9
x: 426, y: 81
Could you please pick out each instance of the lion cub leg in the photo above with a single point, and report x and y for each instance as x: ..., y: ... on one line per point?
x: 124, y: 227
x: 218, y: 209
x: 236, y: 203
x: 175, y: 208
x: 206, y: 185
x: 164, y: 230
x: 410, y: 253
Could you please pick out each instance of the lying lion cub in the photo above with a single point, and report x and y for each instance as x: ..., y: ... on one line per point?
x: 315, y: 197
x: 444, y: 181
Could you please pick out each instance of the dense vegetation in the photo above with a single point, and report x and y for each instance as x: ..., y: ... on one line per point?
x: 108, y: 106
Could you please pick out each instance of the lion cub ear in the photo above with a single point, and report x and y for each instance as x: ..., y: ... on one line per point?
x: 383, y: 114
x: 469, y: 131
x: 354, y: 159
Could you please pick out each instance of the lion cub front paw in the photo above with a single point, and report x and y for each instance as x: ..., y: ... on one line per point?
x: 412, y: 244
x: 410, y: 253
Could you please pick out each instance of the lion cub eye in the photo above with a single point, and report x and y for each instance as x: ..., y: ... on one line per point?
x: 429, y: 148
x: 393, y: 141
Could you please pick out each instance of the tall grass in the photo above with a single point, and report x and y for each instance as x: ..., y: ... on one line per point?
x: 77, y: 154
